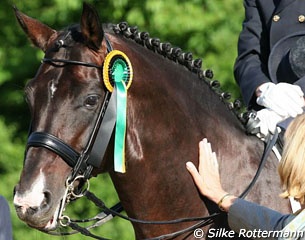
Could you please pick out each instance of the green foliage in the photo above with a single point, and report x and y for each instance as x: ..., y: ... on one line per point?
x: 207, y: 28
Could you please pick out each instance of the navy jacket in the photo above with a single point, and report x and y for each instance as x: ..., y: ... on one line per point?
x: 246, y: 216
x: 5, y: 220
x: 266, y: 22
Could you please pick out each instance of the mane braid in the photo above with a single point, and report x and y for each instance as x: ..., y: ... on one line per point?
x: 184, y: 58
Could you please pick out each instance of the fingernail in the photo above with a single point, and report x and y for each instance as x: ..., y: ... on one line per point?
x: 189, y: 164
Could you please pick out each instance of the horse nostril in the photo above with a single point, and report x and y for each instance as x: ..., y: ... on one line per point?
x: 15, y: 190
x: 32, y: 210
x: 47, y: 199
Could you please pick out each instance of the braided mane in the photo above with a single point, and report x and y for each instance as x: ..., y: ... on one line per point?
x: 184, y: 58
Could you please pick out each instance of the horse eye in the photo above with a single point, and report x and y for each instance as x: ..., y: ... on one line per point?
x: 91, y: 101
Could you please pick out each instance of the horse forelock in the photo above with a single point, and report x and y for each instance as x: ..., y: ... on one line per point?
x: 67, y: 38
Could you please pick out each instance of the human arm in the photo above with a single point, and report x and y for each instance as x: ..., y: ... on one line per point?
x: 242, y: 214
x: 250, y: 69
x: 281, y: 100
x: 245, y: 215
x: 251, y: 65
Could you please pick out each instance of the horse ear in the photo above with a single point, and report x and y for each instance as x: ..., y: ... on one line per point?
x: 36, y: 31
x: 91, y: 27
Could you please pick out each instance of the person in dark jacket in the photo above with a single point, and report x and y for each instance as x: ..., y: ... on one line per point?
x: 270, y: 69
x: 245, y: 216
x: 5, y: 220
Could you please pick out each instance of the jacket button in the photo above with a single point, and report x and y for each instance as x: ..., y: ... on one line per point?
x: 276, y: 18
x: 301, y: 18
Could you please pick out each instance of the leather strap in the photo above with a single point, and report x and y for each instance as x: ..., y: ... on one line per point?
x: 54, y: 144
x: 104, y: 133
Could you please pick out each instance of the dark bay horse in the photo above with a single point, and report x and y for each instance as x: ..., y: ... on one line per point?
x: 169, y: 110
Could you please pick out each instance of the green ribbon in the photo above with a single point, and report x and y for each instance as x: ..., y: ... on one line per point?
x: 119, y: 72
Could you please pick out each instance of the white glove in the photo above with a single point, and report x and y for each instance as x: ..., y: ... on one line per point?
x: 283, y: 98
x: 268, y: 121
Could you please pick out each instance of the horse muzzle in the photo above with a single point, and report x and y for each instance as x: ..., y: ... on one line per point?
x: 36, y: 204
x: 36, y: 209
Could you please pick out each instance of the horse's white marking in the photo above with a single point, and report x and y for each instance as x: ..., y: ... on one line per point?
x: 34, y: 196
x: 53, y: 89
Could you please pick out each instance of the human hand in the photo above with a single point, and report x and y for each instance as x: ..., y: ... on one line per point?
x: 207, y: 177
x: 285, y: 99
x: 268, y: 120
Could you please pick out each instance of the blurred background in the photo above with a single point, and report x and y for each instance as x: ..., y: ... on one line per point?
x: 207, y: 28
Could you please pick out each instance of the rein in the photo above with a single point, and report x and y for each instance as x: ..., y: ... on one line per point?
x: 91, y: 157
x: 268, y: 148
x: 204, y: 221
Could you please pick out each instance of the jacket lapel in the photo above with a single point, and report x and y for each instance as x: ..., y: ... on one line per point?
x: 282, y: 5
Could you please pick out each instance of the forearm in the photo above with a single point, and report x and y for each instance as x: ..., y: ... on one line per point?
x: 224, y: 200
x: 250, y: 68
x: 247, y: 216
x: 244, y: 215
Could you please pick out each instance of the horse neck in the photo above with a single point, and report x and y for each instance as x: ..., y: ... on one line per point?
x: 169, y: 111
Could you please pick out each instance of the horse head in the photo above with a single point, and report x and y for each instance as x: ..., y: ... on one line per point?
x: 64, y: 100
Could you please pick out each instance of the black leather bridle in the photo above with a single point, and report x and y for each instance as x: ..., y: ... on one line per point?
x: 92, y: 155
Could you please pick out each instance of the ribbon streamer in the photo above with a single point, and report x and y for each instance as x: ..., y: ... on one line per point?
x: 120, y: 129
x: 117, y: 75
